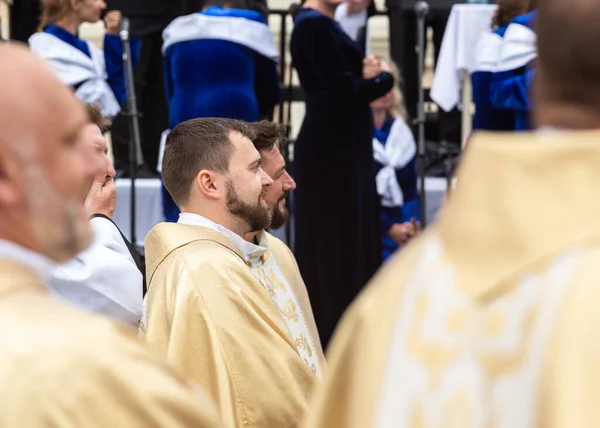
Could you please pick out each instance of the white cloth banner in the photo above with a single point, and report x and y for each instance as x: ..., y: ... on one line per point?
x: 465, y: 26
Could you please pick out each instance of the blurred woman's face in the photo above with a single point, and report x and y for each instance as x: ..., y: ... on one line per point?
x: 384, y: 102
x: 88, y: 10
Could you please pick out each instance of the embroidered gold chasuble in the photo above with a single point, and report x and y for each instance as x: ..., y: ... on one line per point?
x: 61, y: 367
x: 210, y: 315
x: 491, y: 318
x: 277, y: 270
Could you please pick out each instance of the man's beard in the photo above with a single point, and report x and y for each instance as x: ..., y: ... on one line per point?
x: 279, y: 216
x: 256, y: 216
x: 67, y: 237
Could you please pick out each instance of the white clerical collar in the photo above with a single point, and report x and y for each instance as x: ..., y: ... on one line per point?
x: 249, y: 250
x: 41, y: 264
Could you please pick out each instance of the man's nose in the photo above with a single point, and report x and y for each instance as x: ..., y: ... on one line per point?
x: 289, y: 183
x: 110, y: 170
x: 266, y: 179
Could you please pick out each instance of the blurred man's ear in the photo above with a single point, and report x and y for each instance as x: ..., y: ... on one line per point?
x: 8, y: 193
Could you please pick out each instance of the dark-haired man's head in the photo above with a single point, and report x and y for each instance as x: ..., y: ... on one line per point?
x: 567, y: 87
x: 269, y: 138
x: 211, y: 168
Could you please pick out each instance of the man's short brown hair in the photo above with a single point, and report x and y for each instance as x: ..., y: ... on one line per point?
x: 195, y: 145
x: 95, y: 116
x: 268, y: 135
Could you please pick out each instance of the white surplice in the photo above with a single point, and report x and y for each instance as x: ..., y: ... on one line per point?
x: 104, y: 278
x: 76, y: 69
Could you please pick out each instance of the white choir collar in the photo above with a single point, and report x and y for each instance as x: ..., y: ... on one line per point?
x: 39, y: 263
x: 249, y: 250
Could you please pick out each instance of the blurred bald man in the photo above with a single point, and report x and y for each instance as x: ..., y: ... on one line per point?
x: 60, y: 367
x: 491, y: 318
x: 105, y: 278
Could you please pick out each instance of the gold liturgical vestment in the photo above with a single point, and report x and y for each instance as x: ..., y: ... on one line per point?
x: 492, y: 317
x: 209, y: 315
x: 60, y: 367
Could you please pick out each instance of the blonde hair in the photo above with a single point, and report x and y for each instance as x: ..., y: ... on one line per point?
x: 397, y: 108
x: 53, y: 11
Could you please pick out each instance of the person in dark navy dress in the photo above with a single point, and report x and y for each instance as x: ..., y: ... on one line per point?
x: 338, y: 245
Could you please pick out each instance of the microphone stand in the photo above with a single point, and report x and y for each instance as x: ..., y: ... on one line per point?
x: 135, y: 152
x: 421, y: 10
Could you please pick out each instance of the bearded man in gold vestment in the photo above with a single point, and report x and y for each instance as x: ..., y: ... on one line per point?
x: 60, y: 367
x: 491, y: 318
x: 275, y: 263
x: 239, y: 333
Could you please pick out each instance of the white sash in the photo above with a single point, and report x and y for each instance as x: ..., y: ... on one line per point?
x: 487, y: 52
x: 74, y: 67
x: 253, y: 35
x: 519, y: 48
x: 399, y: 150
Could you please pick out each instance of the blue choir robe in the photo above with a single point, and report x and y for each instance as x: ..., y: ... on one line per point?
x: 513, y: 74
x: 395, y: 154
x: 95, y: 76
x: 487, y: 117
x: 218, y: 63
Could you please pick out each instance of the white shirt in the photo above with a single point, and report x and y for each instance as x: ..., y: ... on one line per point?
x: 247, y: 249
x: 39, y: 263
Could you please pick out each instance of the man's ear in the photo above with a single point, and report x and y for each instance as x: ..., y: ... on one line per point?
x: 8, y: 192
x: 75, y: 4
x: 208, y: 185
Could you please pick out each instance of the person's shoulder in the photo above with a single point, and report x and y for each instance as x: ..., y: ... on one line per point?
x: 203, y: 259
x: 250, y: 15
x: 41, y: 42
x: 526, y: 20
x: 69, y: 339
x: 500, y: 31
x: 277, y: 246
x: 82, y: 365
x: 309, y: 20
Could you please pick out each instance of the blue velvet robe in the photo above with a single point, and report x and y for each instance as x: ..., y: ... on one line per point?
x: 218, y: 78
x: 338, y: 245
x: 487, y: 116
x: 510, y: 89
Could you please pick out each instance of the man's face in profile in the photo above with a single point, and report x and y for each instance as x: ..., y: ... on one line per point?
x: 274, y: 166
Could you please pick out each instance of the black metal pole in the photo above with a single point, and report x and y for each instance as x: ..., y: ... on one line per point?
x: 282, y: 63
x: 421, y: 9
x: 134, y: 126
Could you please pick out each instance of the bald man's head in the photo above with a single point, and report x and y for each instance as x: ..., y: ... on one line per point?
x: 569, y: 66
x: 43, y: 180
